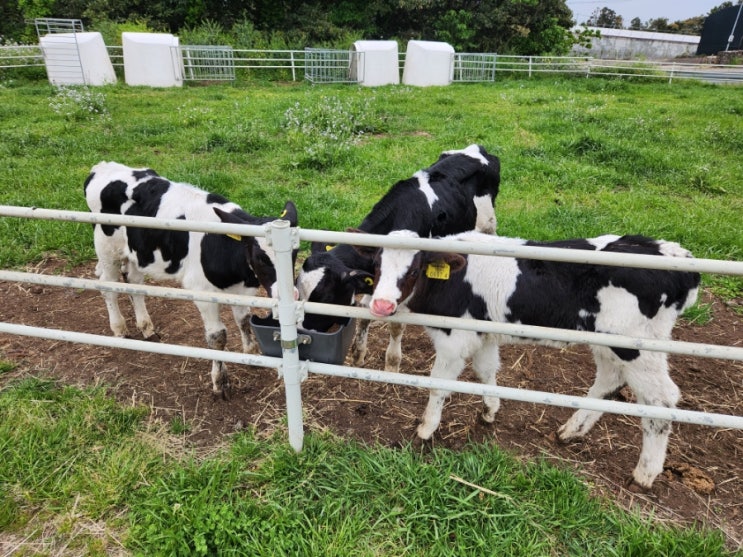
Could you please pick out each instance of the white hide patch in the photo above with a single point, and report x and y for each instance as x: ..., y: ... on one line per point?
x: 472, y: 151
x: 394, y: 264
x: 486, y: 221
x: 620, y: 313
x: 672, y: 249
x: 308, y: 281
x: 601, y: 242
x: 425, y: 187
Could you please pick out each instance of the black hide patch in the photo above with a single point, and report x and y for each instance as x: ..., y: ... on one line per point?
x: 553, y: 294
x: 113, y: 196
x: 225, y: 261
x: 172, y: 244
x: 140, y: 175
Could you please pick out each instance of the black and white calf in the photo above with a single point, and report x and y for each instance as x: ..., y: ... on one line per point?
x: 618, y: 300
x: 198, y: 261
x: 455, y: 194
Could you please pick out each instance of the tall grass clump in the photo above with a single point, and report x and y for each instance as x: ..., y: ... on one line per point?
x: 79, y: 103
x: 326, y: 129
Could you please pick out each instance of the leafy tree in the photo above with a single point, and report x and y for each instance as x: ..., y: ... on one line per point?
x: 691, y: 26
x: 722, y: 6
x: 11, y: 22
x: 606, y: 17
x: 660, y: 25
x: 455, y: 28
x: 635, y: 24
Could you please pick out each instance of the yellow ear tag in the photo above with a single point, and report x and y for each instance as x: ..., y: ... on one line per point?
x: 235, y: 237
x: 283, y: 214
x: 328, y: 247
x: 438, y: 271
x: 369, y: 281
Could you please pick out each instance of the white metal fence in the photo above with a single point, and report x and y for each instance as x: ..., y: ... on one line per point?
x: 293, y: 370
x: 326, y: 66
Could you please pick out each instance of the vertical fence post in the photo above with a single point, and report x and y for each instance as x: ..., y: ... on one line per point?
x: 284, y: 241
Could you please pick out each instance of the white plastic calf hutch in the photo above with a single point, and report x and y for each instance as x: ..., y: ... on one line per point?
x: 375, y: 63
x: 151, y: 59
x: 428, y: 63
x: 77, y: 59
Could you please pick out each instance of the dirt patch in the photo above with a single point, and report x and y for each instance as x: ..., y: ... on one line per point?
x: 702, y: 483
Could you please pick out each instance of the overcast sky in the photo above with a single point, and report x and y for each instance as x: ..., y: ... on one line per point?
x: 673, y: 10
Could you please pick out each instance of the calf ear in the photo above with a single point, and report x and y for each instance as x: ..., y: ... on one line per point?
x: 363, y: 282
x: 320, y: 247
x: 230, y: 218
x: 369, y: 252
x: 290, y: 213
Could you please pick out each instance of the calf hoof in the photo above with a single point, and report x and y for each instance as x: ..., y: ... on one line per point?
x: 561, y: 438
x: 424, y: 432
x: 487, y: 417
x: 154, y: 337
x: 222, y: 390
x: 357, y: 358
x: 633, y: 486
x: 422, y: 445
x: 222, y: 394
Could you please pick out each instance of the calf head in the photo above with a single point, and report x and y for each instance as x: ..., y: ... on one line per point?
x: 402, y: 273
x: 326, y: 279
x: 477, y: 171
x: 259, y: 256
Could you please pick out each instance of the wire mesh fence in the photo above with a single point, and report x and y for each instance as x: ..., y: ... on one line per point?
x: 474, y: 67
x: 207, y: 63
x: 329, y: 66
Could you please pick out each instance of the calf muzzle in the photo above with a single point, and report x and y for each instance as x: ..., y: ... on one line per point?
x: 382, y: 308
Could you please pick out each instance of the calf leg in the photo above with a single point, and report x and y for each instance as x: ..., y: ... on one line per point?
x: 242, y: 318
x: 216, y: 339
x: 445, y: 366
x: 393, y: 356
x: 144, y: 322
x: 608, y: 381
x: 110, y: 271
x: 652, y: 385
x: 358, y: 349
x: 486, y: 363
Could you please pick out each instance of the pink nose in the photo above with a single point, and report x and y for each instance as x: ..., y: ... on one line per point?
x: 382, y: 308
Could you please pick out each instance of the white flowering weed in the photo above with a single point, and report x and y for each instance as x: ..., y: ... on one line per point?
x: 329, y: 128
x: 79, y: 103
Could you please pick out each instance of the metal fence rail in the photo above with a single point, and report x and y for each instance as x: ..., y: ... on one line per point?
x: 293, y: 371
x: 336, y: 66
x: 21, y: 56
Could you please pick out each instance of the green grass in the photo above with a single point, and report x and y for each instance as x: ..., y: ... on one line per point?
x: 72, y: 458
